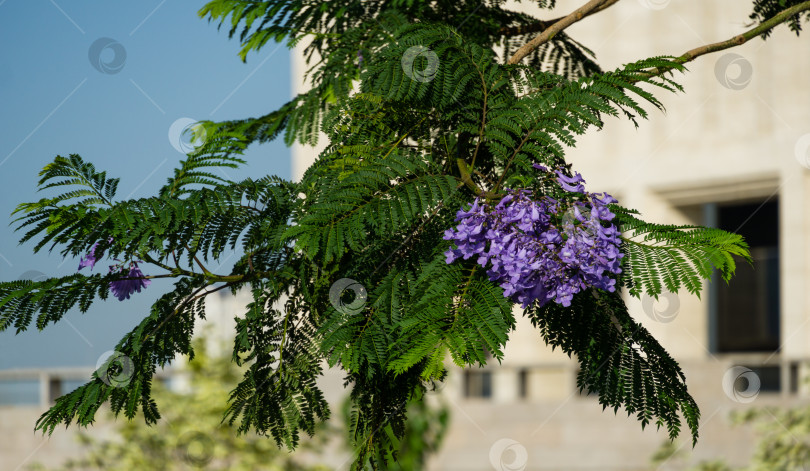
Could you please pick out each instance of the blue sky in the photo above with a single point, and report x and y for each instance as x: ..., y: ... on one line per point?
x: 55, y: 101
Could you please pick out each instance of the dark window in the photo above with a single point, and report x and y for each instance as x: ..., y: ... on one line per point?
x: 523, y: 383
x: 747, y: 308
x: 54, y: 389
x: 794, y: 378
x: 477, y: 384
x: 770, y: 378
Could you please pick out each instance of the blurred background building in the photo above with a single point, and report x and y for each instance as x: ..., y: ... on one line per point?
x: 732, y: 152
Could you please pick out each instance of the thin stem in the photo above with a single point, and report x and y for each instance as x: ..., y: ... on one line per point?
x: 146, y: 277
x: 483, y: 116
x: 404, y: 136
x: 202, y: 267
x: 176, y: 310
x: 466, y: 178
x: 593, y: 6
x: 509, y: 163
x: 149, y: 259
x: 539, y: 26
x: 738, y: 40
x: 281, y: 344
x: 213, y: 277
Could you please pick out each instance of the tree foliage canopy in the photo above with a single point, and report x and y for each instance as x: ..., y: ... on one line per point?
x: 426, y: 106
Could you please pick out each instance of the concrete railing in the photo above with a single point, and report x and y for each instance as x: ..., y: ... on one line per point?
x: 511, y: 382
x: 51, y: 380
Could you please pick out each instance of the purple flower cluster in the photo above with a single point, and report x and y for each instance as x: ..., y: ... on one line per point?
x: 541, y: 250
x: 121, y: 289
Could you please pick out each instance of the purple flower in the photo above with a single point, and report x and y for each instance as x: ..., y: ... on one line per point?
x: 533, y: 252
x: 573, y: 184
x: 605, y: 199
x: 122, y: 289
x: 91, y: 258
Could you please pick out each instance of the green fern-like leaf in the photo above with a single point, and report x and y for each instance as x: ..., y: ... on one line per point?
x: 659, y: 256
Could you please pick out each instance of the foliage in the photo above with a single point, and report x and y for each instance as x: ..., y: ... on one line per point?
x: 191, y: 434
x: 424, y: 432
x: 766, y: 9
x: 421, y: 117
x: 689, y: 255
x: 783, y: 441
x: 784, y: 437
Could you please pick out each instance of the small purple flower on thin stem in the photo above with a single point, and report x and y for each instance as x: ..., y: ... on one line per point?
x: 123, y: 289
x: 573, y: 184
x: 91, y: 258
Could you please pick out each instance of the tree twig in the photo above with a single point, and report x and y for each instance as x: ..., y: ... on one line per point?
x: 593, y: 6
x: 738, y: 40
x: 539, y: 26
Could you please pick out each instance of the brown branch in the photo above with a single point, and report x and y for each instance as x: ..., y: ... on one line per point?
x: 539, y: 26
x: 738, y: 40
x: 464, y: 170
x: 466, y: 179
x: 593, y: 6
x: 202, y: 267
x: 176, y: 310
